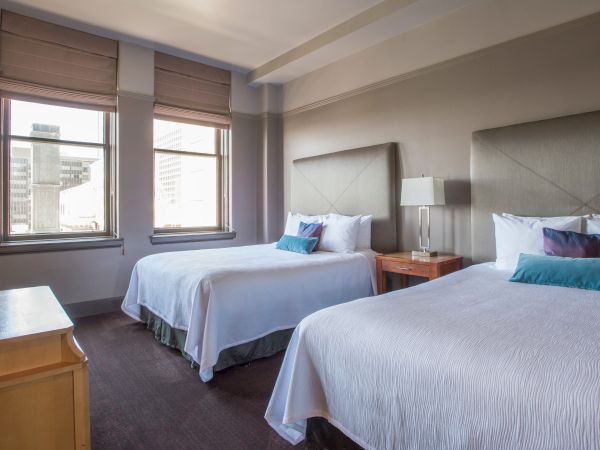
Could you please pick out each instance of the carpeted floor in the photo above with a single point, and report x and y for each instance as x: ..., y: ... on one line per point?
x: 145, y: 396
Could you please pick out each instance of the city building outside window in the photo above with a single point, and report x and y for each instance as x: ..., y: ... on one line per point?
x: 56, y: 178
x: 189, y: 177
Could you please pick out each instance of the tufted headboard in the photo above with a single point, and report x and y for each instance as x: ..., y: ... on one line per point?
x: 351, y: 182
x: 544, y: 168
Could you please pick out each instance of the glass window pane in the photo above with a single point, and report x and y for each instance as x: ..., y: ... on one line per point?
x: 184, y: 137
x: 56, y: 122
x: 55, y: 188
x: 185, y: 191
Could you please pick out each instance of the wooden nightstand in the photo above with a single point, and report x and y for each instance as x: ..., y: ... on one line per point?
x: 406, y: 265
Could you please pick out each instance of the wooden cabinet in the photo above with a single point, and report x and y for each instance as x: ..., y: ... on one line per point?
x: 406, y: 265
x: 44, y: 397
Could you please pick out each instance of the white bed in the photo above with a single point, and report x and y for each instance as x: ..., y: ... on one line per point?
x: 230, y: 296
x: 469, y: 360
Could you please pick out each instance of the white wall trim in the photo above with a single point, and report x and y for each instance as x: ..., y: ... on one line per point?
x: 136, y: 95
x: 76, y: 310
x: 244, y: 115
x: 270, y: 115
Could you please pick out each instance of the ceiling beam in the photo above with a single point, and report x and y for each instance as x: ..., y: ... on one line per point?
x: 380, y: 10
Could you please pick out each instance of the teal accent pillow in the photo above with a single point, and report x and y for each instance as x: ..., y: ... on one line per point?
x: 582, y: 273
x: 298, y: 244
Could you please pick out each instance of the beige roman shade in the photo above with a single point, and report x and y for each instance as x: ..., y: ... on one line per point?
x: 190, y: 91
x: 43, y: 60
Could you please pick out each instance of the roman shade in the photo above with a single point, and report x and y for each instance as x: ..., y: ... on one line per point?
x: 43, y: 60
x: 190, y: 91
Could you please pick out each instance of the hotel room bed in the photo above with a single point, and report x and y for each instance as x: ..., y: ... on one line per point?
x: 222, y: 298
x: 229, y: 306
x: 470, y: 360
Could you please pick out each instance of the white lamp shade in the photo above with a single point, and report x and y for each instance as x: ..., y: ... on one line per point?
x: 423, y: 191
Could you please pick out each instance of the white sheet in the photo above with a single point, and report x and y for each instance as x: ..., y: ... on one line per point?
x: 229, y: 296
x: 470, y: 360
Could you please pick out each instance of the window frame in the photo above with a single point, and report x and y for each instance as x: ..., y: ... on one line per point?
x: 109, y: 177
x: 221, y: 153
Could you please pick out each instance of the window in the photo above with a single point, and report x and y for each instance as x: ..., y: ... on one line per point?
x: 189, y: 181
x: 56, y: 178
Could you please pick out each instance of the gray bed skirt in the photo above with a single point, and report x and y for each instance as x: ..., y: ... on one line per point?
x: 321, y: 435
x: 240, y: 354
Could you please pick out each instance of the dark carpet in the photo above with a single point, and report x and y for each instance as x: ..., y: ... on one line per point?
x: 145, y: 395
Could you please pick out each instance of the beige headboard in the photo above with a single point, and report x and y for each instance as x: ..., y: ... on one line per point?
x: 545, y: 168
x: 351, y: 182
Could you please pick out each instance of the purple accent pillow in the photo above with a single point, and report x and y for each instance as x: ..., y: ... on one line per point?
x: 571, y: 244
x: 311, y: 230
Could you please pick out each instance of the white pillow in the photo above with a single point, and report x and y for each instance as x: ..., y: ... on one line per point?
x: 293, y: 222
x: 340, y: 234
x: 516, y: 235
x: 536, y: 219
x: 592, y: 224
x: 363, y: 242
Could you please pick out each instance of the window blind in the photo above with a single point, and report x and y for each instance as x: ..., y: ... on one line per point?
x: 190, y: 91
x: 41, y: 59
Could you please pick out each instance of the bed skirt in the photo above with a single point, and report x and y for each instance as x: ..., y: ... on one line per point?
x: 240, y: 354
x: 320, y: 435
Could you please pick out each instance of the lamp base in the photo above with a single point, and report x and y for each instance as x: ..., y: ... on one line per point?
x: 423, y: 254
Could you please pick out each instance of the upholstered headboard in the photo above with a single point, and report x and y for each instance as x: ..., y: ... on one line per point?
x: 545, y: 168
x: 352, y: 182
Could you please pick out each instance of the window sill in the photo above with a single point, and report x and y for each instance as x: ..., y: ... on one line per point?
x: 174, y: 238
x: 53, y: 245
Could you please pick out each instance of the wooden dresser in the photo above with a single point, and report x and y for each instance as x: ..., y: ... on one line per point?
x: 44, y: 397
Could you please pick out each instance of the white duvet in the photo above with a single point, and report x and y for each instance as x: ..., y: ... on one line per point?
x: 230, y: 296
x: 468, y: 361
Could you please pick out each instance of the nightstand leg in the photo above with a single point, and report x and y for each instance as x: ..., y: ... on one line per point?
x: 403, y: 281
x: 381, y: 282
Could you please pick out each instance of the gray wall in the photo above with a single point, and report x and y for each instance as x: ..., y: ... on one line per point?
x: 83, y: 275
x: 270, y: 191
x: 431, y: 116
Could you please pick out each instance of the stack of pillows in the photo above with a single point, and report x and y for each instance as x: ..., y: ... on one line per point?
x: 327, y: 233
x: 557, y: 251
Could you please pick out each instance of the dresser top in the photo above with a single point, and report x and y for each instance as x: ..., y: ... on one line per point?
x: 31, y: 311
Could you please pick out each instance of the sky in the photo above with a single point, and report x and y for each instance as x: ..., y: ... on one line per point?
x: 75, y: 125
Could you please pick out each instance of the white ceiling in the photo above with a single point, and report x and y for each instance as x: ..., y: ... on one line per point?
x: 242, y: 34
x: 411, y: 15
x: 273, y: 41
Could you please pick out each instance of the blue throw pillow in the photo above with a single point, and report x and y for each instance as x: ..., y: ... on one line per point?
x: 582, y: 273
x: 311, y: 230
x: 297, y: 244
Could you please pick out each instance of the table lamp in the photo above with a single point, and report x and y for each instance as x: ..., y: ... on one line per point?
x: 423, y: 192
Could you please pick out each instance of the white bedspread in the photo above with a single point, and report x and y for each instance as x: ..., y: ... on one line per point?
x: 468, y: 361
x: 229, y: 296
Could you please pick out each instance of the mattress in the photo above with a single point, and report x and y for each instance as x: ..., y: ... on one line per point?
x: 469, y: 360
x: 226, y: 297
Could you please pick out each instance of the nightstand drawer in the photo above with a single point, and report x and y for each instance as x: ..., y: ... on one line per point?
x: 406, y: 265
x: 418, y: 270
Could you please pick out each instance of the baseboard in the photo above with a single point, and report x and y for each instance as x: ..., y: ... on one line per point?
x: 93, y: 307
